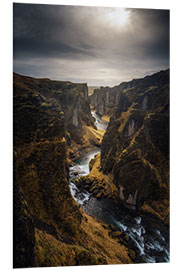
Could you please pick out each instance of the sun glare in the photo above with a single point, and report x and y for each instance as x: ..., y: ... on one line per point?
x: 118, y: 16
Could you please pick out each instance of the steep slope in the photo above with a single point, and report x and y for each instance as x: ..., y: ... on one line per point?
x: 105, y: 99
x: 135, y: 147
x: 49, y: 227
x: 23, y: 231
x: 40, y: 168
x: 72, y: 99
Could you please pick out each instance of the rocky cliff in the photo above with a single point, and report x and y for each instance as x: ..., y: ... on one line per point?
x: 40, y: 169
x: 105, y: 99
x: 135, y: 147
x: 49, y: 227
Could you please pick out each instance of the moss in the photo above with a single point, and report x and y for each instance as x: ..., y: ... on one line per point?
x: 137, y: 155
x: 98, y: 233
x: 94, y: 248
x: 70, y: 226
x: 44, y: 104
x: 106, y: 118
x: 105, y: 226
x: 64, y: 235
x: 84, y: 257
x: 63, y: 140
x: 116, y: 234
x: 159, y: 208
x: 92, y: 136
x: 41, y: 164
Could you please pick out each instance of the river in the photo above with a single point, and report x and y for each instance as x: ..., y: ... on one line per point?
x: 148, y: 236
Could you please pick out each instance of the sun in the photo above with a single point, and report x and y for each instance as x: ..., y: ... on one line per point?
x: 117, y: 16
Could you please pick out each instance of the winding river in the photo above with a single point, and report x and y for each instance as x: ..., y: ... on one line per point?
x: 148, y: 236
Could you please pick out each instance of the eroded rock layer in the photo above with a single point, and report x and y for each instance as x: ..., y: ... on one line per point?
x: 135, y: 147
x: 49, y: 227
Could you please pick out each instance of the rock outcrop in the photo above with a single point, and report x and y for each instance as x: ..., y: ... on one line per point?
x: 23, y: 231
x: 135, y: 147
x: 50, y: 229
x: 69, y: 100
x: 41, y: 170
x: 105, y: 99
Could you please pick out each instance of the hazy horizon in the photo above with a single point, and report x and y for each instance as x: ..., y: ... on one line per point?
x: 92, y: 86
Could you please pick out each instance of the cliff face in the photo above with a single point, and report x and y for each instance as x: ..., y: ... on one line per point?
x: 106, y: 99
x: 103, y: 100
x: 40, y: 169
x: 43, y: 112
x: 71, y: 99
x: 23, y: 231
x: 135, y: 147
x: 49, y: 227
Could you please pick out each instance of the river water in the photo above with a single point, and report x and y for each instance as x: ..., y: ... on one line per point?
x: 149, y: 238
x: 100, y: 123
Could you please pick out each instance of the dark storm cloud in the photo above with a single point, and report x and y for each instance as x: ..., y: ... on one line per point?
x: 83, y: 44
x: 152, y: 30
x: 28, y: 47
x: 39, y: 31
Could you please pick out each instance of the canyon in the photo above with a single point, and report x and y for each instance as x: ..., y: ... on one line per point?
x: 135, y: 147
x: 74, y: 154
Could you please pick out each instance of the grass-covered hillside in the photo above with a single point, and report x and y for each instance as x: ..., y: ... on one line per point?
x: 50, y: 229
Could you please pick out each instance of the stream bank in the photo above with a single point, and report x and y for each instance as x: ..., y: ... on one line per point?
x: 148, y: 237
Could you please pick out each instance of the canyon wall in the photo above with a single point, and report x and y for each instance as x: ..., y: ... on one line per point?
x: 106, y: 99
x: 135, y: 147
x: 49, y: 228
x: 40, y: 163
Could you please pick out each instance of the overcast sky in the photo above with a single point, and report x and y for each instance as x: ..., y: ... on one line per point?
x: 100, y: 46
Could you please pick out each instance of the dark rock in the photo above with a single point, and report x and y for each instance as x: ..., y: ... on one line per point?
x: 41, y: 111
x: 23, y: 231
x: 135, y: 147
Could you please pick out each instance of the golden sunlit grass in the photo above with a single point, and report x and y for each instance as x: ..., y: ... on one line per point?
x: 93, y: 135
x: 50, y: 251
x: 103, y: 179
x: 63, y: 140
x: 124, y: 118
x: 158, y: 208
x: 106, y: 118
x: 99, y: 239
